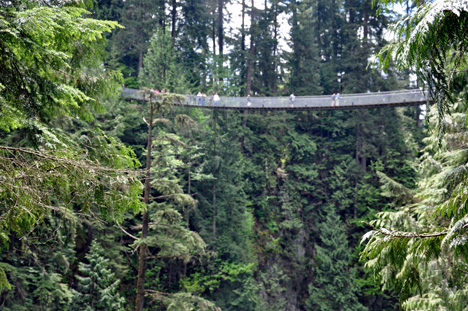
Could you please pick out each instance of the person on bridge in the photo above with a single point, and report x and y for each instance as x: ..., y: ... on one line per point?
x: 199, y: 96
x: 337, y: 99
x: 292, y: 98
x: 248, y: 100
x: 216, y: 99
x: 203, y: 98
x: 211, y: 99
x: 333, y: 100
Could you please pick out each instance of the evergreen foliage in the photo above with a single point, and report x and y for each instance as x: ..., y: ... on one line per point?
x: 97, y: 287
x: 420, y: 248
x: 334, y: 287
x: 50, y: 70
x: 426, y: 231
x: 249, y: 211
x: 433, y: 41
x: 161, y: 67
x: 38, y: 276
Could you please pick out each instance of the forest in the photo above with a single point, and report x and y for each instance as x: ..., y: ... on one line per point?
x: 113, y: 204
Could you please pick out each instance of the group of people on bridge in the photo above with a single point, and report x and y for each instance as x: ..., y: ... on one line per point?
x: 335, y: 100
x: 157, y: 91
x: 201, y: 99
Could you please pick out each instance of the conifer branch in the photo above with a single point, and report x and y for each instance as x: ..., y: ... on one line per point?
x: 407, y: 235
x: 126, y: 232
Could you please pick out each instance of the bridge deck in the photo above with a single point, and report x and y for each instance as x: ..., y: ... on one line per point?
x: 347, y: 101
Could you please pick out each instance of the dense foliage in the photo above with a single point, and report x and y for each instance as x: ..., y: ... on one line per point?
x: 420, y: 249
x: 50, y: 76
x: 240, y: 210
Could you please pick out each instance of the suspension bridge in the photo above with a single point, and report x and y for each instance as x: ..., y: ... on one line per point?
x: 323, y: 102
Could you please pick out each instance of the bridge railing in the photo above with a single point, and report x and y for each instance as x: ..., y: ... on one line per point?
x: 301, y: 102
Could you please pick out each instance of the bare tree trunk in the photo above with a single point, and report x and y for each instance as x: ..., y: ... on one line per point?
x: 140, y: 62
x: 144, y: 231
x: 366, y: 25
x: 356, y: 177
x: 243, y: 27
x: 248, y: 87
x: 213, y: 38
x: 205, y: 70
x: 244, y: 124
x: 214, y: 208
x: 214, y: 172
x: 275, y: 47
x: 220, y: 36
x: 174, y: 18
x: 297, y: 57
x: 186, y: 210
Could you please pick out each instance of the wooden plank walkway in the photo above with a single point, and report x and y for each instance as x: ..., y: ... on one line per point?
x: 347, y: 101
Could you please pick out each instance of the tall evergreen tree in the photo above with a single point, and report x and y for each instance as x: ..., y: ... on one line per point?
x: 97, y: 287
x: 140, y: 18
x: 334, y: 287
x: 161, y: 68
x: 305, y: 58
x: 194, y: 29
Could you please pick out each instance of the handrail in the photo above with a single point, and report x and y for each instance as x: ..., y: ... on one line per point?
x: 346, y: 101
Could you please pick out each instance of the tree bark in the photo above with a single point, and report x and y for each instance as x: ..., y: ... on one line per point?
x: 356, y: 177
x: 297, y: 57
x: 214, y: 173
x: 275, y: 47
x: 365, y: 25
x: 244, y: 124
x: 145, y: 222
x: 213, y: 38
x: 243, y: 27
x: 140, y: 62
x: 220, y: 28
x: 174, y: 19
x: 248, y: 87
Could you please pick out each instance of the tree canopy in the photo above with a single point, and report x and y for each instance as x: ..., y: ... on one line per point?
x: 50, y: 76
x: 420, y: 249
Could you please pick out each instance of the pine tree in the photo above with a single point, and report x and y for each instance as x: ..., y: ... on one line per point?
x: 192, y: 40
x: 162, y: 69
x: 97, y: 287
x: 334, y: 287
x: 421, y: 256
x: 305, y: 58
x: 139, y: 18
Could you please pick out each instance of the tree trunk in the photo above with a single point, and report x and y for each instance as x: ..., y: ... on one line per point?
x: 144, y: 231
x: 297, y: 57
x: 205, y: 70
x: 220, y: 33
x: 244, y: 124
x: 275, y: 47
x: 365, y: 25
x: 213, y: 38
x: 356, y: 177
x: 214, y: 173
x: 243, y: 27
x: 248, y: 87
x: 214, y: 208
x: 174, y: 18
x: 140, y: 62
x: 189, y: 192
